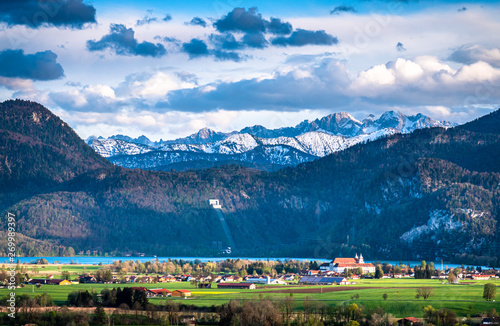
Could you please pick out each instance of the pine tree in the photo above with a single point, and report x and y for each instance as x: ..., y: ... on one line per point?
x: 100, y: 317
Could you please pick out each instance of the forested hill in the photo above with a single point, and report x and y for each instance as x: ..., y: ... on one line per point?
x: 432, y: 193
x: 38, y: 151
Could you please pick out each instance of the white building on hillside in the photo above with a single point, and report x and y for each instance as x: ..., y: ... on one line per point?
x: 214, y: 203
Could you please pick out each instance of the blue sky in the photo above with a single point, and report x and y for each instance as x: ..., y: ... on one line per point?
x: 166, y: 69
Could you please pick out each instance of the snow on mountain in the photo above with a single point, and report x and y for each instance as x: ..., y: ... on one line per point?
x: 320, y: 143
x: 344, y: 124
x: 234, y: 144
x: 115, y: 147
x: 402, y: 123
x: 203, y: 136
x: 289, y: 141
x: 183, y: 147
x: 439, y: 221
x: 314, y: 139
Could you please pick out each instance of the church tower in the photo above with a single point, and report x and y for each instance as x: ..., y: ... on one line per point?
x: 361, y: 260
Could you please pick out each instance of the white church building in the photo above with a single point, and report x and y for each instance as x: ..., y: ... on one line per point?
x: 339, y: 265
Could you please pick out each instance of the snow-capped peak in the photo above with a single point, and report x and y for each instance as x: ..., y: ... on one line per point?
x: 305, y: 141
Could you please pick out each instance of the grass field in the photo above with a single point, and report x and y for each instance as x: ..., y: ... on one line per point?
x: 55, y: 269
x: 464, y: 299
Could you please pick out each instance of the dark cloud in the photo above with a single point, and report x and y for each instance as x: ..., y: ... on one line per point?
x: 195, y: 48
x: 225, y: 41
x: 472, y: 53
x: 226, y: 56
x: 242, y: 20
x: 38, y: 66
x: 250, y: 21
x: 223, y: 51
x: 322, y: 88
x: 197, y: 21
x: 148, y: 19
x: 255, y: 40
x: 462, y: 9
x: 340, y: 9
x: 35, y: 13
x: 121, y: 39
x: 400, y: 47
x: 276, y: 26
x: 303, y: 37
x: 167, y: 39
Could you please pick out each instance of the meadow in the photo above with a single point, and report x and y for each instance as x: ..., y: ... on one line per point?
x: 464, y: 298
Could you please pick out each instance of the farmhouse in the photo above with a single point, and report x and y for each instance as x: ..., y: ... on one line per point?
x: 249, y: 286
x: 482, y: 277
x: 491, y: 321
x: 340, y: 265
x: 323, y: 280
x: 181, y: 293
x: 63, y: 282
x: 87, y: 279
x: 37, y: 281
x: 49, y: 281
x: 152, y: 293
x: 263, y: 280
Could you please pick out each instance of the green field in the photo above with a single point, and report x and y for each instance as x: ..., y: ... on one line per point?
x: 54, y: 269
x: 464, y: 299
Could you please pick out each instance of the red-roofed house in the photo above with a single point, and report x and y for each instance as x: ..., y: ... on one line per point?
x: 408, y: 321
x: 139, y: 288
x: 346, y: 260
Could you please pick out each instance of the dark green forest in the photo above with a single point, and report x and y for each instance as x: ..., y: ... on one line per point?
x: 431, y: 194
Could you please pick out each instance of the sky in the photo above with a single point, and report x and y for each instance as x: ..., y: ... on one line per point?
x: 166, y: 69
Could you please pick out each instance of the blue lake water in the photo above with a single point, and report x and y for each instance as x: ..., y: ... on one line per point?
x: 109, y: 260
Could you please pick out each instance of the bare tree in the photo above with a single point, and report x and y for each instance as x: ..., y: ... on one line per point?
x: 424, y: 292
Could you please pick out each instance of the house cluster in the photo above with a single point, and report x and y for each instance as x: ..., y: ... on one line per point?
x: 264, y: 279
x: 324, y: 280
x: 136, y: 279
x: 153, y: 293
x: 464, y: 275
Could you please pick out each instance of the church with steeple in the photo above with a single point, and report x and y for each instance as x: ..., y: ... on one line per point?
x: 339, y: 265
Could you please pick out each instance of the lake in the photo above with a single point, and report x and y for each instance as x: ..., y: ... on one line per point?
x: 93, y: 260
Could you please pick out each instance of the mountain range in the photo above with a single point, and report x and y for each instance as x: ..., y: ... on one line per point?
x: 433, y: 193
x: 257, y: 146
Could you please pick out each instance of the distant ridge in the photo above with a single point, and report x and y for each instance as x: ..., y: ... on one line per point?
x: 305, y: 142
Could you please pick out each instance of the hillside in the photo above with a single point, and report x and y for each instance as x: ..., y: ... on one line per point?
x: 38, y: 151
x: 432, y: 193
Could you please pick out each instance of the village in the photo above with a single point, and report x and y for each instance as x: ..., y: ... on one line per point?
x: 340, y: 271
x: 194, y: 292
